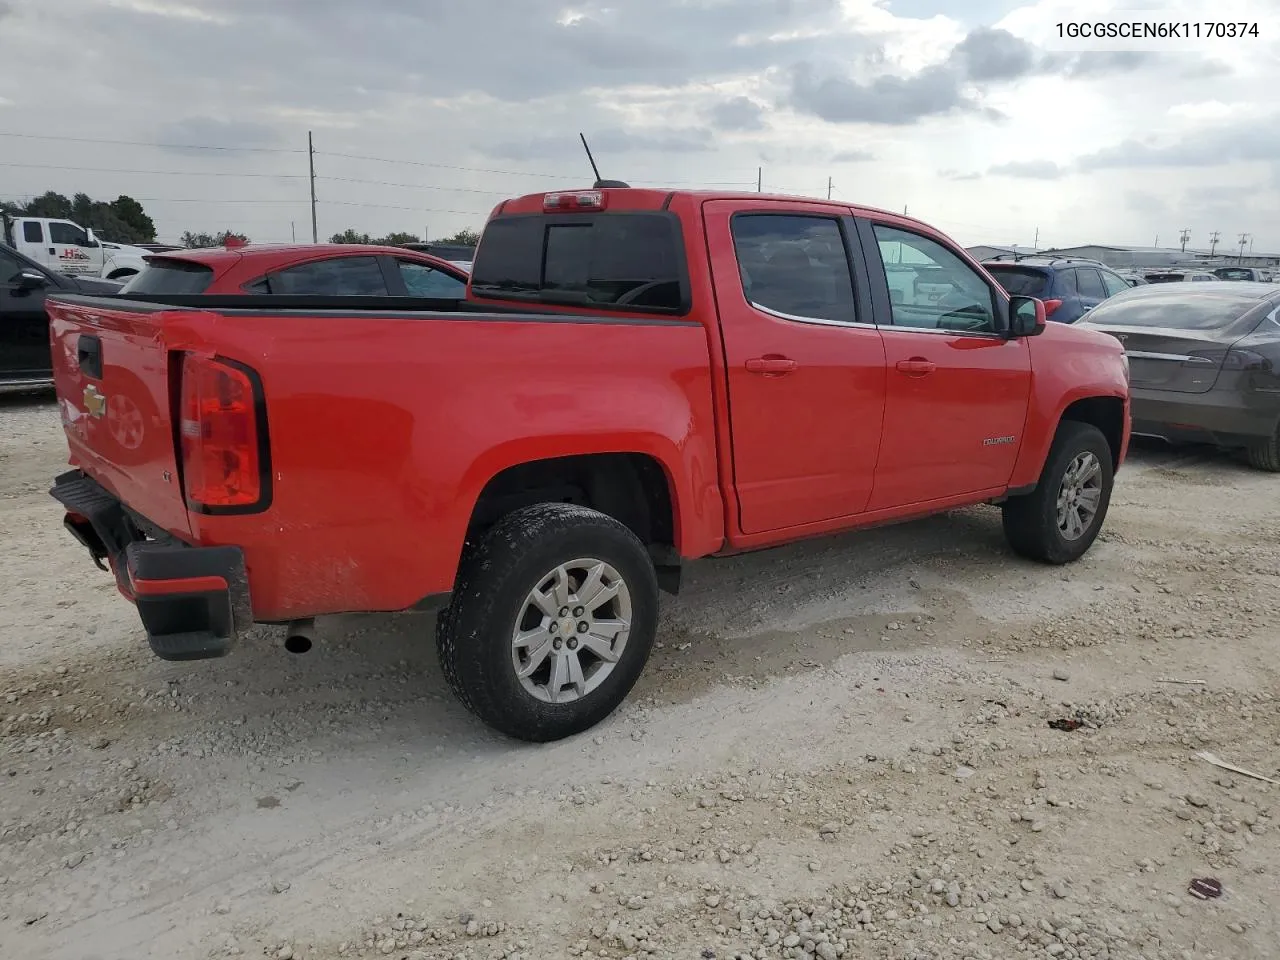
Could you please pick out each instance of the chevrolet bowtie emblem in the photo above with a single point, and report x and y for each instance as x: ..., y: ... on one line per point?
x: 95, y: 403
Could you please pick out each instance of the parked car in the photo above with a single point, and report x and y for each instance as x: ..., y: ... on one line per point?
x: 1204, y: 363
x: 25, y: 362
x: 1069, y: 287
x: 637, y: 378
x: 1180, y: 276
x: 460, y: 255
x: 1243, y: 273
x: 332, y: 270
x: 122, y: 260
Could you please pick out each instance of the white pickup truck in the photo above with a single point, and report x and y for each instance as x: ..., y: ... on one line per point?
x: 66, y: 247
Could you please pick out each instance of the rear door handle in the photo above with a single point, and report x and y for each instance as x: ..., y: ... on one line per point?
x: 771, y: 365
x: 917, y: 367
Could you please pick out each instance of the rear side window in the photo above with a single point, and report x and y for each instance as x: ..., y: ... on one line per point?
x: 630, y: 261
x: 1065, y: 283
x: 335, y: 277
x: 1020, y: 281
x: 794, y: 265
x: 32, y: 232
x: 164, y: 276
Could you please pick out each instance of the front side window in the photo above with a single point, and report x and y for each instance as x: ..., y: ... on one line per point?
x: 1090, y: 283
x: 424, y: 281
x: 794, y: 265
x: 930, y: 287
x: 335, y: 277
x: 32, y: 232
x: 1114, y: 283
x: 67, y: 233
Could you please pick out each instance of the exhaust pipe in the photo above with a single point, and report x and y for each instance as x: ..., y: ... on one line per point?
x: 300, y: 635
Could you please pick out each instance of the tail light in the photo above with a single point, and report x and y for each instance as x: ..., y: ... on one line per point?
x: 1050, y: 306
x: 1245, y: 360
x: 574, y: 200
x: 223, y: 435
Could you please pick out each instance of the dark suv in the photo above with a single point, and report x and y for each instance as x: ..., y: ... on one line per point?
x: 1069, y: 287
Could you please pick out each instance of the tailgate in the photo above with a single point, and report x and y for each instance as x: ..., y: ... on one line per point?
x: 111, y: 370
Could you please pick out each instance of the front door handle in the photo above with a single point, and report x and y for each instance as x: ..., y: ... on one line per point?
x: 917, y: 367
x: 774, y: 365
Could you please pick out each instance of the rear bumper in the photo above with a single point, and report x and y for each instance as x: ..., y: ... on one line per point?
x: 193, y: 601
x: 1217, y: 417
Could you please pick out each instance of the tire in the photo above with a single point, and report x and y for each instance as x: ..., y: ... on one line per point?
x: 493, y: 596
x: 1265, y: 454
x: 1031, y: 522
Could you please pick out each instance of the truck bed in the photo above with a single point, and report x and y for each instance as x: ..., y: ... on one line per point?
x: 382, y: 424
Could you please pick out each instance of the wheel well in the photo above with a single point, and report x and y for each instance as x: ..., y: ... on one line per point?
x: 1105, y: 413
x: 630, y: 487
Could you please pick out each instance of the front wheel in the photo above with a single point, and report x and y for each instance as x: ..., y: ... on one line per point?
x: 1058, y: 521
x: 551, y: 622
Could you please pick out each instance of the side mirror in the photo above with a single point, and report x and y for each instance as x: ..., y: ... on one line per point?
x: 1026, y: 317
x: 91, y: 240
x: 30, y: 280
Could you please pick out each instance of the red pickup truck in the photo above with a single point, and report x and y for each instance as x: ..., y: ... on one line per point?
x: 636, y: 378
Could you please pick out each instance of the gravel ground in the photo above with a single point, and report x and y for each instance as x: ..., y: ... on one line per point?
x: 840, y: 749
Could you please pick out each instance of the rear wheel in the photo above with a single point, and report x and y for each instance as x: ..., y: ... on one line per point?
x: 551, y: 622
x: 1265, y: 454
x: 1059, y: 520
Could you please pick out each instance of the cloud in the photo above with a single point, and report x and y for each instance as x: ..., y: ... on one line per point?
x: 738, y: 114
x: 852, y: 156
x: 1255, y: 139
x: 208, y: 130
x: 1029, y: 170
x: 603, y: 142
x: 888, y: 100
x: 6, y: 9
x: 957, y: 175
x: 988, y: 54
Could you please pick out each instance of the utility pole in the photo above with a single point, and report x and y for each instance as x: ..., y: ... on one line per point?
x: 759, y: 178
x: 828, y: 188
x: 1213, y: 242
x: 1244, y: 238
x: 1157, y: 241
x: 1035, y: 245
x: 904, y: 209
x: 311, y: 160
x: 293, y: 229
x: 1186, y: 235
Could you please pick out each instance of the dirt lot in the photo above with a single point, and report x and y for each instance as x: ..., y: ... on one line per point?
x: 841, y: 749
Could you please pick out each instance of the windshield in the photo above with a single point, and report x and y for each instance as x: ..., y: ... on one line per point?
x: 1019, y: 281
x: 162, y: 276
x: 630, y: 260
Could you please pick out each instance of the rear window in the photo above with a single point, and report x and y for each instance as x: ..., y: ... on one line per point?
x: 1165, y: 277
x: 1180, y: 310
x: 1234, y: 273
x: 1020, y: 281
x: 161, y: 276
x: 629, y: 261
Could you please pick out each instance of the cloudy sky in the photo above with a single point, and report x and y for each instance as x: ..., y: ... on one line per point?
x: 427, y: 112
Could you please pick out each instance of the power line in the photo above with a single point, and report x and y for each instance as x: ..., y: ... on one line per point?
x: 157, y: 173
x: 143, y: 143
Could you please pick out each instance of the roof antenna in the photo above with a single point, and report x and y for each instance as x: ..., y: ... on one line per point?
x: 599, y: 184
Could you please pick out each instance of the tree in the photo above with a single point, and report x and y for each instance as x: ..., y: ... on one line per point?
x: 464, y: 238
x: 202, y: 241
x: 122, y: 220
x: 350, y: 236
x: 397, y: 238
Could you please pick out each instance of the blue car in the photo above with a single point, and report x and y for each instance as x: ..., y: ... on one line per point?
x: 1069, y: 286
